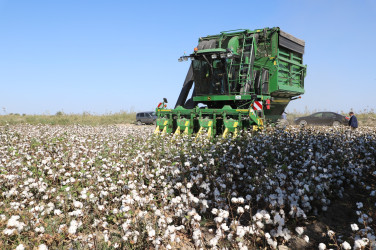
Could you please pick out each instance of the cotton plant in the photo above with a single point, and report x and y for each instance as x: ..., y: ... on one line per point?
x: 122, y: 187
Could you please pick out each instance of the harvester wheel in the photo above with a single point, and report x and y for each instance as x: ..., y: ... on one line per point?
x: 336, y: 123
x: 139, y: 123
x: 303, y: 123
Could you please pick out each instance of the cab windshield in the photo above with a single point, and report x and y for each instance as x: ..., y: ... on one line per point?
x: 210, y: 75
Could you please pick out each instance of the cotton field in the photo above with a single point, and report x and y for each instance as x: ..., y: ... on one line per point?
x: 120, y: 187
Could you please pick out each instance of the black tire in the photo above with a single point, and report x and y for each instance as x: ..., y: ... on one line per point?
x: 303, y: 123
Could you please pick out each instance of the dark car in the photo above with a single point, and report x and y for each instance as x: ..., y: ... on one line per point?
x: 322, y: 118
x: 146, y: 117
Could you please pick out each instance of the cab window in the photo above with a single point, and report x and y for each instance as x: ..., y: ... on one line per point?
x: 317, y: 115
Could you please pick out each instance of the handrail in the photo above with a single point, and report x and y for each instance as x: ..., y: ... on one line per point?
x: 232, y: 31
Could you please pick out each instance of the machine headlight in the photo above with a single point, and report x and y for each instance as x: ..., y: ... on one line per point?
x: 214, y: 56
x: 229, y: 54
x: 223, y: 55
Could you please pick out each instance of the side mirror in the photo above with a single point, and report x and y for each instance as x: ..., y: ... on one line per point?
x: 165, y: 100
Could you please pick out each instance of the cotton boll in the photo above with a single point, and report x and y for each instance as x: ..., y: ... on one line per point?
x: 240, y: 210
x: 330, y: 233
x: 151, y: 233
x: 345, y: 245
x: 322, y: 246
x: 359, y: 244
x: 299, y: 230
x: 218, y: 219
x: 73, y: 227
x: 9, y: 232
x: 20, y: 247
x: 354, y: 227
x: 42, y: 247
x: 306, y: 238
x: 224, y: 227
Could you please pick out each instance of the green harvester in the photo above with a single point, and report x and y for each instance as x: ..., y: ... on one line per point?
x: 238, y: 80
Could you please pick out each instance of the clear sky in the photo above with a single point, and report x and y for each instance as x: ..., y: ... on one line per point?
x: 110, y: 56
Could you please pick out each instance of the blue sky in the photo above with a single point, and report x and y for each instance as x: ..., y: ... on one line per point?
x: 109, y: 56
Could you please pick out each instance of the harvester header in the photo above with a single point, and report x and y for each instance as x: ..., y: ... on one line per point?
x: 240, y: 78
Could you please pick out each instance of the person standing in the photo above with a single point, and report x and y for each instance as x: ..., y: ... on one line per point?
x: 353, y: 122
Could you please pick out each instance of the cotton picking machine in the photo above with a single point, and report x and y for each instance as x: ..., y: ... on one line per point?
x: 237, y: 80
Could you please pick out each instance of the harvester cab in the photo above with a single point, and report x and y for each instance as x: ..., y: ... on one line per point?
x: 243, y: 79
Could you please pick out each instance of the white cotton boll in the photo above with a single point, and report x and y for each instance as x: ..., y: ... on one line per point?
x: 105, y: 236
x: 345, y: 245
x: 197, y: 237
x: 189, y: 185
x: 20, y: 247
x: 9, y: 232
x: 224, y: 214
x: 77, y: 204
x: 195, y: 200
x: 214, y: 241
x: 73, y: 227
x: 151, y: 233
x: 76, y: 213
x: 258, y: 216
x: 359, y: 244
x: 218, y: 219
x: 57, y: 212
x: 272, y: 243
x: 240, y: 210
x: 242, y: 247
x: 158, y: 213
x: 306, y: 238
x: 322, y: 246
x: 42, y: 247
x: 330, y: 233
x: 299, y: 230
x: 354, y: 227
x: 197, y: 217
x: 260, y: 224
x: 225, y: 227
x: 240, y: 231
x: 39, y: 229
x: 13, y: 222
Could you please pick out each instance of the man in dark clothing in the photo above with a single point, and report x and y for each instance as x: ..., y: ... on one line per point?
x: 353, y: 122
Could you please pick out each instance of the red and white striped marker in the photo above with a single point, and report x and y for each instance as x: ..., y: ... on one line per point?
x: 257, y: 105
